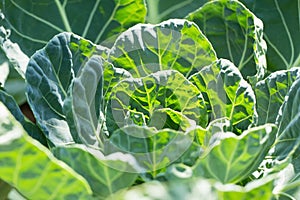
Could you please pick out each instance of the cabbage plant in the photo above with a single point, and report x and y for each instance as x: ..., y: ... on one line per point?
x: 202, y: 102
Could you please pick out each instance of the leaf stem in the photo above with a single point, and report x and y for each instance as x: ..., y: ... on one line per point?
x: 63, y: 15
x: 153, y: 13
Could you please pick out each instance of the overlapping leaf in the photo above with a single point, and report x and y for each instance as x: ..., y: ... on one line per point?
x: 199, y: 188
x: 288, y: 183
x: 106, y: 175
x: 288, y: 137
x: 203, y: 136
x: 33, y: 23
x: 13, y: 66
x: 86, y: 96
x: 153, y: 150
x: 227, y: 94
x: 163, y: 89
x: 49, y: 179
x: 281, y: 31
x: 13, y: 107
x: 168, y: 118
x: 51, y: 72
x: 236, y: 34
x: 49, y: 75
x: 270, y: 94
x: 233, y: 158
x: 173, y: 44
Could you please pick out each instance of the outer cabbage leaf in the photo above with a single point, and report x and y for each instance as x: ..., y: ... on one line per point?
x: 13, y: 66
x: 87, y: 100
x: 227, y: 94
x: 199, y: 188
x: 105, y: 174
x: 4, y: 66
x: 174, y: 44
x: 287, y: 144
x: 236, y: 34
x: 86, y: 97
x: 30, y: 128
x: 94, y: 19
x: 30, y: 167
x: 50, y: 76
x: 282, y: 24
x: 287, y: 183
x: 233, y: 158
x: 203, y: 136
x: 145, y: 96
x: 153, y: 150
x: 270, y: 94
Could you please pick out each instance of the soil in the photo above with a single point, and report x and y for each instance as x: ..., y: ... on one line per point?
x: 27, y: 112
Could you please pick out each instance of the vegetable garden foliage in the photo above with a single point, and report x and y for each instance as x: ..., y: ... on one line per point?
x: 182, y: 107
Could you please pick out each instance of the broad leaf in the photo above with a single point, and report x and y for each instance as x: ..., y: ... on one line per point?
x: 203, y: 136
x: 176, y: 190
x: 30, y: 167
x: 105, y: 175
x: 270, y: 94
x: 236, y: 34
x: 168, y: 118
x: 30, y: 128
x: 112, y: 76
x: 257, y: 189
x: 49, y: 75
x: 233, y: 158
x: 159, y: 10
x: 87, y: 100
x: 227, y: 94
x: 199, y: 189
x: 287, y: 185
x: 13, y: 66
x: 86, y: 95
x: 163, y: 89
x: 153, y: 150
x: 4, y: 67
x: 173, y: 44
x: 281, y: 31
x: 94, y: 19
x: 288, y: 137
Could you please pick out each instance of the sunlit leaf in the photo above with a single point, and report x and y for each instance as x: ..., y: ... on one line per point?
x: 105, y: 174
x: 226, y: 93
x: 174, y: 44
x: 270, y: 94
x: 29, y: 127
x: 163, y: 89
x: 28, y: 166
x: 153, y: 150
x: 235, y: 33
x: 233, y: 158
x: 288, y: 137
